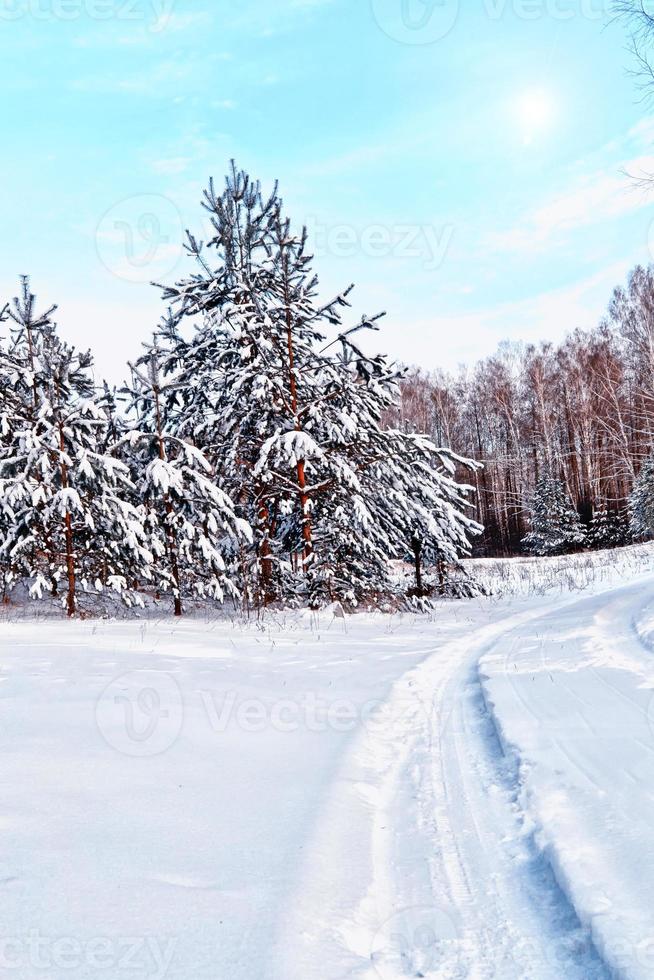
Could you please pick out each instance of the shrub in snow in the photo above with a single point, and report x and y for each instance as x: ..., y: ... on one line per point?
x: 555, y: 525
x: 608, y: 529
x: 641, y: 502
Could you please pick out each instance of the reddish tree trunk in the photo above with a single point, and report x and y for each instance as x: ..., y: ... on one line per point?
x: 305, y: 501
x: 170, y: 532
x: 70, y: 567
x: 68, y: 533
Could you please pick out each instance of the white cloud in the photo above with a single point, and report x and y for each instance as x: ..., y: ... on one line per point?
x: 154, y: 81
x: 464, y: 338
x: 167, y: 21
x: 171, y: 167
x: 594, y: 196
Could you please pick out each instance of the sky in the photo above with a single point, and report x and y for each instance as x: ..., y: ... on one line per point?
x: 468, y: 165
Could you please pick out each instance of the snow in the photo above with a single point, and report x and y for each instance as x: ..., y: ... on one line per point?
x: 192, y: 836
x: 313, y: 797
x: 573, y: 704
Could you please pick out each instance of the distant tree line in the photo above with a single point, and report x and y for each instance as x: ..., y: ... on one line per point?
x: 580, y: 413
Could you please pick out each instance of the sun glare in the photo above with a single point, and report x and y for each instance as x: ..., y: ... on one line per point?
x: 535, y: 111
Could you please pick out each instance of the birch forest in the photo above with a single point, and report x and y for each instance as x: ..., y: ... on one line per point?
x: 582, y: 410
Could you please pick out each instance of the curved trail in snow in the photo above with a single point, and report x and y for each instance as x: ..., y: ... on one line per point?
x: 430, y: 809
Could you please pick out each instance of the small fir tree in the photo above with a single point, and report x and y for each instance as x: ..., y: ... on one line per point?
x: 555, y: 524
x: 641, y: 502
x: 608, y: 529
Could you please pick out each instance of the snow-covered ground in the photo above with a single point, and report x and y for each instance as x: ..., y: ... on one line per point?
x: 564, y: 573
x: 311, y: 798
x: 573, y: 700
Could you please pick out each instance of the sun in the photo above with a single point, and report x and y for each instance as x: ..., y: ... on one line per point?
x: 535, y: 111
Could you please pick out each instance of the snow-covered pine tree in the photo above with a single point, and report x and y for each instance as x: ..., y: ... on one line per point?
x: 608, y: 529
x: 641, y: 502
x: 190, y: 521
x: 394, y: 497
x: 292, y: 427
x: 69, y: 520
x: 250, y: 378
x: 340, y: 443
x: 20, y: 409
x: 555, y: 525
x: 436, y: 508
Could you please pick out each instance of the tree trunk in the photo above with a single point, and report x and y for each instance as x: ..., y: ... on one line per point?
x: 417, y: 558
x: 70, y: 566
x: 68, y: 532
x: 170, y: 533
x: 172, y: 554
x: 305, y: 502
x: 441, y: 576
x: 265, y: 557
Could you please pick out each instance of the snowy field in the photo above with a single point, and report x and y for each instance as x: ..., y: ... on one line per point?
x: 467, y: 794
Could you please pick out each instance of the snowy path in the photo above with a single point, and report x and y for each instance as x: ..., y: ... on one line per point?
x: 469, y: 877
x: 573, y: 703
x: 330, y: 800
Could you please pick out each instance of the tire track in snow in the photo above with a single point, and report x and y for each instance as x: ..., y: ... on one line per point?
x: 529, y: 928
x: 484, y: 880
x: 614, y: 934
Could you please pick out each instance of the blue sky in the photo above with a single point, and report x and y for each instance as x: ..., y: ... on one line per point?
x: 463, y: 165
